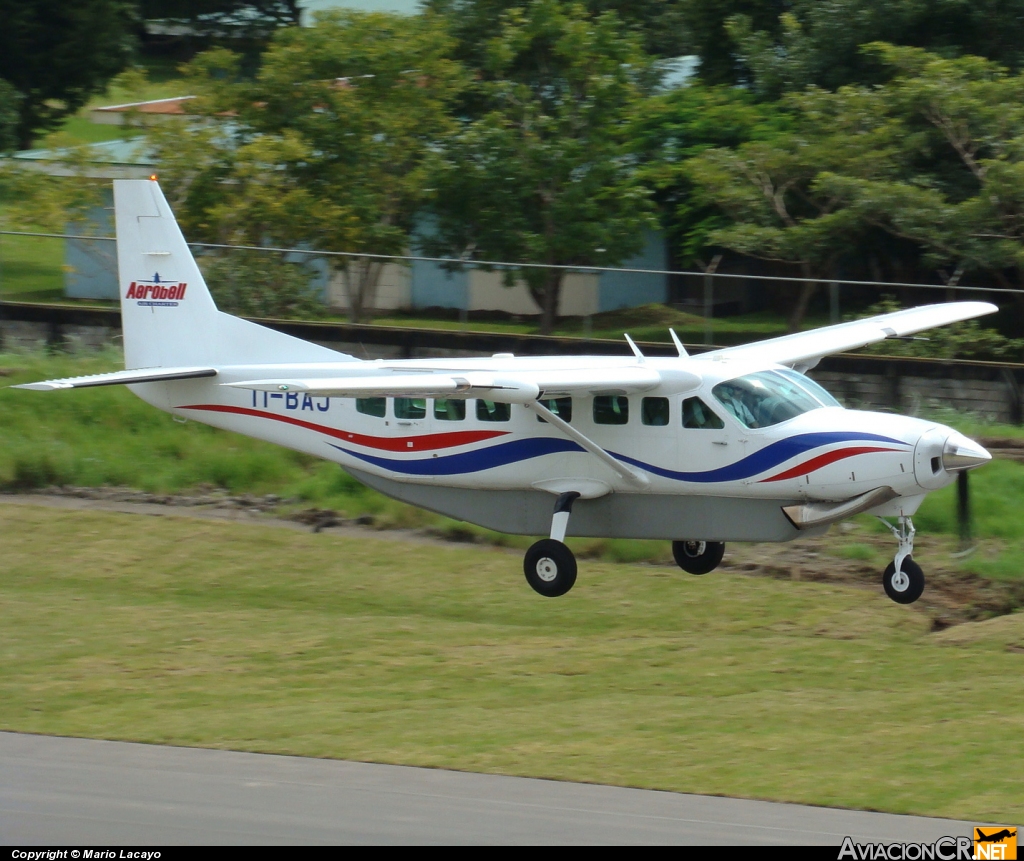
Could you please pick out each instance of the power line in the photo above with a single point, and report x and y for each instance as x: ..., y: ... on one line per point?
x: 506, y: 264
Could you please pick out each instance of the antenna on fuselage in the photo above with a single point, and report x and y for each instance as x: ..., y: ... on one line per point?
x: 679, y: 344
x: 636, y: 350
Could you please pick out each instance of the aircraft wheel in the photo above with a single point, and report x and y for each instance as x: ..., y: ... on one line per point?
x: 698, y: 557
x: 550, y: 568
x: 906, y: 588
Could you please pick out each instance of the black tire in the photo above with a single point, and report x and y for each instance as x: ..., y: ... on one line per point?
x: 698, y: 557
x: 550, y: 568
x: 913, y: 587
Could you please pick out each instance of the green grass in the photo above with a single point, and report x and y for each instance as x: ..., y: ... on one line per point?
x: 31, y: 269
x: 236, y: 636
x: 644, y: 323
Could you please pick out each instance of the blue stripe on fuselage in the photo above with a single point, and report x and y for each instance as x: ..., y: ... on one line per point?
x: 524, y: 449
x: 471, y: 461
x: 761, y: 461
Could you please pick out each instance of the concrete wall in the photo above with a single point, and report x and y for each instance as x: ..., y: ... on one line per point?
x: 992, y: 399
x: 393, y: 289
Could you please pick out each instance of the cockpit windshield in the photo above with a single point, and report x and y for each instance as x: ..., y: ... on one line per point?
x: 770, y: 397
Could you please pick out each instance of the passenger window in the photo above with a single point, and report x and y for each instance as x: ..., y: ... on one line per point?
x: 410, y: 408
x: 611, y: 410
x: 698, y: 416
x: 449, y: 411
x: 490, y: 411
x: 372, y: 406
x: 561, y: 407
x: 654, y: 411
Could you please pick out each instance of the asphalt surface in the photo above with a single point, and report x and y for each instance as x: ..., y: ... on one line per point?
x: 65, y: 791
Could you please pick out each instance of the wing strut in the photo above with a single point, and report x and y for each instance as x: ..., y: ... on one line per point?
x: 624, y: 471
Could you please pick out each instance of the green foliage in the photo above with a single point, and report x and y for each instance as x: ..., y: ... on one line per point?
x: 33, y: 200
x: 223, y: 19
x: 778, y: 47
x: 542, y: 174
x: 670, y: 129
x: 10, y: 100
x: 658, y: 24
x: 328, y: 146
x: 259, y: 284
x: 959, y: 190
x: 966, y: 340
x: 57, y: 54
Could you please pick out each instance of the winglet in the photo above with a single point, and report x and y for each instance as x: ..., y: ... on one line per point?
x: 679, y: 344
x: 636, y: 350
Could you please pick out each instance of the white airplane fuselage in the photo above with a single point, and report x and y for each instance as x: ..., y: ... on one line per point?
x: 825, y: 454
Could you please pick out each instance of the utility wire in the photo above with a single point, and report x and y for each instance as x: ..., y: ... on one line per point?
x: 505, y: 264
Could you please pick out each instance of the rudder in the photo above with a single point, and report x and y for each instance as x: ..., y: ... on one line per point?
x: 168, y: 316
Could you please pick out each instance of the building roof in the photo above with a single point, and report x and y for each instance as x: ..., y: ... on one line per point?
x: 169, y: 107
x: 117, y: 159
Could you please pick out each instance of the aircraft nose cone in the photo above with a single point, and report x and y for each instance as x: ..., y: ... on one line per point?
x: 960, y: 453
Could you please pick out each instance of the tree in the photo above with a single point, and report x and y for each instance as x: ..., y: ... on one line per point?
x: 707, y: 24
x: 771, y: 190
x: 221, y: 19
x: 57, y: 54
x: 658, y: 24
x: 670, y: 129
x: 811, y: 42
x: 9, y: 99
x: 961, y: 194
x: 544, y: 174
x: 327, y: 147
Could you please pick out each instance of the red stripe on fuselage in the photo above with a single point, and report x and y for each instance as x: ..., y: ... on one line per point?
x: 426, y: 442
x: 823, y: 460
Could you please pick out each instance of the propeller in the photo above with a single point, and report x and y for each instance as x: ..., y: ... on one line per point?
x: 963, y: 510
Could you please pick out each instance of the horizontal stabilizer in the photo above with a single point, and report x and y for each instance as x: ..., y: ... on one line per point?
x: 120, y: 378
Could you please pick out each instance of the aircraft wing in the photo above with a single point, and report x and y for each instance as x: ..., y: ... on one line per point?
x: 120, y: 378
x: 803, y: 349
x: 511, y: 386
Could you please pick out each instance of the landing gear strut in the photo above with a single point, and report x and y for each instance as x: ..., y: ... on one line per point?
x: 698, y: 557
x: 903, y: 579
x: 549, y: 565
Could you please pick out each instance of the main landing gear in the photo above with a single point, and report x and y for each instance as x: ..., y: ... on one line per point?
x: 549, y: 565
x: 903, y: 579
x: 698, y: 557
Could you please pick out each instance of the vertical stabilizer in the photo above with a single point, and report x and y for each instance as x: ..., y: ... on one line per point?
x: 168, y: 316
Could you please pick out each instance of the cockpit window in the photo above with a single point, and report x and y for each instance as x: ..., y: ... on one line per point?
x: 814, y: 388
x: 767, y: 398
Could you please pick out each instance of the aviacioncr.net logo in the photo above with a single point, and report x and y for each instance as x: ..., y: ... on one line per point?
x: 943, y: 849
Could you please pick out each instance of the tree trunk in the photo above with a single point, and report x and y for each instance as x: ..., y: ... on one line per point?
x: 796, y: 317
x: 361, y: 278
x: 552, y: 290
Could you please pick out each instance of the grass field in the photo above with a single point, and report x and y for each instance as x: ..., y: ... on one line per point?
x: 31, y: 269
x: 189, y: 632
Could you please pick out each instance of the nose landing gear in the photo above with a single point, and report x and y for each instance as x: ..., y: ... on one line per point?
x: 903, y: 579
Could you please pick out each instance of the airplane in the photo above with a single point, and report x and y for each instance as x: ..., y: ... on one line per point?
x: 997, y: 837
x: 735, y: 444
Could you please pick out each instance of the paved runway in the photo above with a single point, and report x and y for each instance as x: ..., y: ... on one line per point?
x: 80, y: 791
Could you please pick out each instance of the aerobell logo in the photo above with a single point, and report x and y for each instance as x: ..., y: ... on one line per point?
x: 158, y: 293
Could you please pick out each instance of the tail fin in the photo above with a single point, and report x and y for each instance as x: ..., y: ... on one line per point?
x: 168, y: 316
